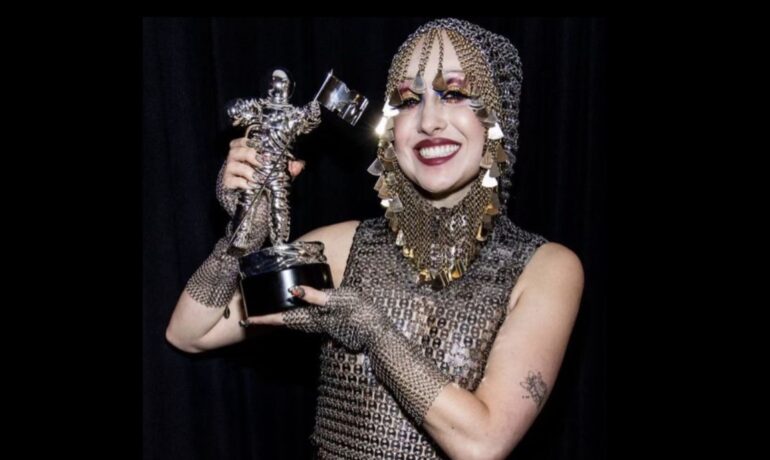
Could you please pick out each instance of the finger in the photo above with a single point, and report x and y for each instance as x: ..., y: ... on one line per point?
x: 243, y: 170
x: 273, y: 319
x: 240, y: 142
x: 235, y: 182
x: 232, y: 182
x: 247, y: 155
x: 309, y: 295
x: 296, y: 167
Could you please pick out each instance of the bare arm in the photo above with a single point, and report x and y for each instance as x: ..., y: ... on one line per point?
x: 195, y: 327
x: 522, y: 367
x: 523, y: 363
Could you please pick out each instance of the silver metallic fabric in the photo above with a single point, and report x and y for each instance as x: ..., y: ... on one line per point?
x: 214, y: 282
x: 227, y: 198
x: 363, y: 410
x: 353, y: 320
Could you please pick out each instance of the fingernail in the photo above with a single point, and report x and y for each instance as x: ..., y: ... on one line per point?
x: 297, y: 291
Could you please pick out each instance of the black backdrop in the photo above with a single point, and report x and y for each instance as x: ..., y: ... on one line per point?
x: 256, y: 400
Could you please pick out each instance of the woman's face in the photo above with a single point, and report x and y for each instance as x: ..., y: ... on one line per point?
x: 439, y: 140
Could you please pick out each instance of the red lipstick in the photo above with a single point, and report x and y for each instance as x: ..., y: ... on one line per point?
x: 435, y: 142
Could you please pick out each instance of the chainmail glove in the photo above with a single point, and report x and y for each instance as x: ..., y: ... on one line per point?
x: 215, y: 281
x: 354, y: 321
x: 228, y: 198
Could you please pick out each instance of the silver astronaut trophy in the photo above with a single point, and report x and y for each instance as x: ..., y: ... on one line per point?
x: 272, y: 126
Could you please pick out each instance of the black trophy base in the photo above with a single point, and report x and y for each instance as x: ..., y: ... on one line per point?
x: 267, y: 293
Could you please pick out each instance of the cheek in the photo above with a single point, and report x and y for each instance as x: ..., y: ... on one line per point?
x: 469, y: 124
x: 401, y: 136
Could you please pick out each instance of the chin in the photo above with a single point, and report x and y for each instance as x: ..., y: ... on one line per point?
x: 437, y: 187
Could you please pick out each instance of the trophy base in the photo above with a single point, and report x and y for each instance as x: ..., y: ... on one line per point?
x: 266, y: 292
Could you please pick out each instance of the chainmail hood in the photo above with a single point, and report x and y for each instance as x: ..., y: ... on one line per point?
x: 500, y: 74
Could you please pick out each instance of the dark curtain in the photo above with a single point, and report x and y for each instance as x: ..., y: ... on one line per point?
x: 256, y: 399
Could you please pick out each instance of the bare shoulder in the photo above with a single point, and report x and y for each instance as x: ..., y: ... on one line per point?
x: 337, y: 239
x: 555, y: 260
x: 553, y: 271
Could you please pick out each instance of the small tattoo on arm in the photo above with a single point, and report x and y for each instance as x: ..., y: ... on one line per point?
x: 536, y: 387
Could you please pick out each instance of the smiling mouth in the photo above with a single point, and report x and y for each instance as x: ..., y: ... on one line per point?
x: 436, y: 154
x: 439, y: 151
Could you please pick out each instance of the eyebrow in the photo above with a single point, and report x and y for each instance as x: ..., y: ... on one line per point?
x: 404, y: 85
x: 455, y: 80
x: 444, y: 72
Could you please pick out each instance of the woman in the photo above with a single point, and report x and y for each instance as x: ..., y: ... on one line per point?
x: 448, y: 323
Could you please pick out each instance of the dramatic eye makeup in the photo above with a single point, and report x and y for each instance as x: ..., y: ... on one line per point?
x: 408, y: 97
x: 456, y: 85
x: 457, y: 90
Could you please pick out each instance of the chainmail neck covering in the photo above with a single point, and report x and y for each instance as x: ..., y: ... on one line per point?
x: 441, y: 242
x: 357, y: 417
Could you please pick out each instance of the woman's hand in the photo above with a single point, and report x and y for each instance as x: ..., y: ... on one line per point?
x: 241, y: 164
x: 239, y: 172
x: 352, y: 319
x: 345, y: 314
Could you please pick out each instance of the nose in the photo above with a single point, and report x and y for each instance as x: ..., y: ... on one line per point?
x: 432, y: 115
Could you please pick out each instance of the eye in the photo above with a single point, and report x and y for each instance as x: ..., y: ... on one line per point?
x: 408, y: 102
x: 453, y: 96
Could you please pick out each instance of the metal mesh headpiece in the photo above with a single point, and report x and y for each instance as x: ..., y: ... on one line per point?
x: 494, y: 65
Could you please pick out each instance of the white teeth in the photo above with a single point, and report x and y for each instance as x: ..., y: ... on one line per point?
x: 439, y: 151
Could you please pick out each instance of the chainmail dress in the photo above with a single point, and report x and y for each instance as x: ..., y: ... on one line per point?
x: 357, y: 418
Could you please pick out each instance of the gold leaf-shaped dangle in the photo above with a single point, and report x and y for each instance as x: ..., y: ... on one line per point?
x: 395, y: 98
x: 380, y: 182
x: 481, y: 233
x: 384, y: 192
x: 395, y: 205
x: 389, y: 153
x: 490, y: 120
x: 392, y: 221
x: 496, y: 200
x: 456, y: 272
x: 491, y: 210
x: 439, y: 84
x: 486, y: 160
x: 424, y: 275
x: 389, y: 165
x: 501, y: 156
x: 494, y: 171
